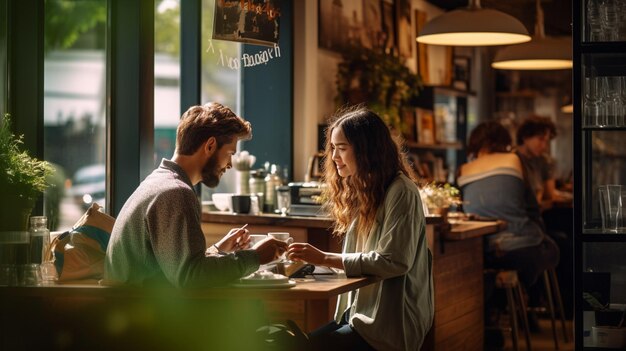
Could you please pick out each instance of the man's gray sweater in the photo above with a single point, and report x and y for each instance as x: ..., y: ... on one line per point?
x: 158, y: 238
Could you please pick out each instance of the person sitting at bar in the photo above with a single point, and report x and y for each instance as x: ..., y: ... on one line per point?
x: 376, y: 206
x: 493, y: 185
x: 157, y: 237
x: 533, y: 141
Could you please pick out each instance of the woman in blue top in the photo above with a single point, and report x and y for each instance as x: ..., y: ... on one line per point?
x: 377, y: 209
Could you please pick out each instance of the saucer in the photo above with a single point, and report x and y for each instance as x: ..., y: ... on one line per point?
x: 288, y: 284
x: 264, y: 277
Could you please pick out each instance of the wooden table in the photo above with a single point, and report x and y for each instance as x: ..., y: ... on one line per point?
x: 308, y: 303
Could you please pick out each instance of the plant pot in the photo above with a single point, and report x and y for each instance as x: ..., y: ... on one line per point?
x: 441, y: 211
x: 14, y: 213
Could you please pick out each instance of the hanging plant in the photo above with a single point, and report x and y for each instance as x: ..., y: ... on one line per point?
x: 380, y: 81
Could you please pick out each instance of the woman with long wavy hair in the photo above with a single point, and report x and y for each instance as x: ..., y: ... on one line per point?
x: 377, y: 210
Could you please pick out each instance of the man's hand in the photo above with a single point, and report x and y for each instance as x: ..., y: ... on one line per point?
x: 269, y: 249
x: 235, y: 240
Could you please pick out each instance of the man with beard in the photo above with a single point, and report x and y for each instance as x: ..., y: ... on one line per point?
x: 157, y: 238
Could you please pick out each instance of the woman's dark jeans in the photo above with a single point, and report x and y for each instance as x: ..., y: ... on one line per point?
x: 335, y: 336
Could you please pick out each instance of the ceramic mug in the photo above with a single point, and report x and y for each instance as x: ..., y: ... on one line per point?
x: 281, y: 236
x: 256, y: 238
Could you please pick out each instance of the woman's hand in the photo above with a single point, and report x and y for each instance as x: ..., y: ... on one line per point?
x: 306, y: 252
x: 235, y: 240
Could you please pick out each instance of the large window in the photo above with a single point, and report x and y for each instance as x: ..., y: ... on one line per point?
x: 75, y: 101
x: 220, y: 82
x: 74, y: 107
x: 166, y: 77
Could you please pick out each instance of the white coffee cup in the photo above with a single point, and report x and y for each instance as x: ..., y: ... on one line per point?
x: 281, y: 236
x: 256, y: 238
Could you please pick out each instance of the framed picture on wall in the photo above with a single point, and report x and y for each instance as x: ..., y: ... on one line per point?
x: 247, y: 21
x: 425, y: 121
x: 461, y: 72
x: 373, y: 16
x: 403, y: 28
x: 389, y: 26
x: 422, y: 49
x: 347, y: 24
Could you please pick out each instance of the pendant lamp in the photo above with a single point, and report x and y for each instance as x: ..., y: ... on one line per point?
x: 473, y: 26
x: 567, y: 108
x: 539, y: 54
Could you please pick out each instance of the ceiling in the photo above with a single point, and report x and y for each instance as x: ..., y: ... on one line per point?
x: 557, y: 13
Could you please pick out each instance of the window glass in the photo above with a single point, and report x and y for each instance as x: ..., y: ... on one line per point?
x: 74, y: 107
x: 4, y: 22
x: 220, y: 82
x: 166, y: 77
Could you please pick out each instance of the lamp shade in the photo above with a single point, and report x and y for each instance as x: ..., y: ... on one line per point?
x: 539, y: 54
x: 473, y: 26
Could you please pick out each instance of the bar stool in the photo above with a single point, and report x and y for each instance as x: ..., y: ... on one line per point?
x: 515, y: 298
x: 552, y: 290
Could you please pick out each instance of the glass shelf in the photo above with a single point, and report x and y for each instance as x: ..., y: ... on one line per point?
x: 616, y: 47
x: 607, y: 238
x: 603, y: 128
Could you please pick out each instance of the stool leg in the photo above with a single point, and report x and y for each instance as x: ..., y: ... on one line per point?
x: 557, y: 293
x: 523, y: 311
x: 546, y: 281
x: 509, y: 297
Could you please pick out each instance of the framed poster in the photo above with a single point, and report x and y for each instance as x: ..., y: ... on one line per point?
x: 346, y: 24
x: 422, y: 49
x: 389, y: 27
x: 461, y: 66
x: 403, y: 28
x: 425, y: 126
x: 247, y: 21
x: 372, y: 15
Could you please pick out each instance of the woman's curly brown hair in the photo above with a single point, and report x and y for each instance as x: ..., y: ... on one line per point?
x: 379, y: 158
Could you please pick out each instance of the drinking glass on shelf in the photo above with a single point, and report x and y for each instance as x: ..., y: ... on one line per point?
x: 610, y: 22
x: 612, y: 91
x: 592, y: 103
x: 594, y: 21
x: 611, y: 207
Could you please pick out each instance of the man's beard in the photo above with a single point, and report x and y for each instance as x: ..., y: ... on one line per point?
x: 211, y: 173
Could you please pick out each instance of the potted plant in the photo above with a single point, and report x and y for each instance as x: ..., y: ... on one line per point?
x: 22, y: 180
x: 438, y: 198
x: 380, y: 81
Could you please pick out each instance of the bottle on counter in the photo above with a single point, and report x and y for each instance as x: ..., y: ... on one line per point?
x: 257, y: 187
x: 272, y: 180
x: 40, y: 251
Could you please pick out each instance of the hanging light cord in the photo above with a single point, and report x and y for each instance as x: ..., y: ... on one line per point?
x: 539, y: 29
x: 474, y: 5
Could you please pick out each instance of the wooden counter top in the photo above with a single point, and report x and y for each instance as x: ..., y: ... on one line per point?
x: 471, y: 229
x: 278, y: 220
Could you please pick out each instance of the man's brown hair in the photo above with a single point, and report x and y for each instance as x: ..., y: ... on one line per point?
x: 199, y: 123
x: 535, y: 125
